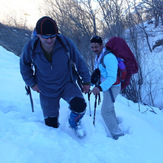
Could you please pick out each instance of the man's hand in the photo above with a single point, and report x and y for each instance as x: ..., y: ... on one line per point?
x: 86, y: 88
x: 35, y: 88
x: 95, y: 91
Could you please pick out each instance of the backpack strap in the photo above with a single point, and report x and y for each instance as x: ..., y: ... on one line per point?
x: 31, y: 47
x: 72, y: 65
x: 111, y: 94
x: 102, y: 58
x: 62, y: 40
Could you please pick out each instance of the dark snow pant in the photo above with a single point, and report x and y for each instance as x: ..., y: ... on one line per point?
x: 50, y: 105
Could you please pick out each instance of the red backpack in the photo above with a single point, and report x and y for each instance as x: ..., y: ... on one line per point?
x: 121, y: 50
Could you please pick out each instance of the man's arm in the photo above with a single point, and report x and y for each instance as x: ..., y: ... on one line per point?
x: 81, y: 65
x: 26, y: 66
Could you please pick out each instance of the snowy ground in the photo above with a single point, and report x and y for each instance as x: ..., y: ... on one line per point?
x: 25, y: 139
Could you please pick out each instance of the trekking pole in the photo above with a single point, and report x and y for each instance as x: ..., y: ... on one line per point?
x: 30, y: 95
x: 95, y: 105
x: 99, y: 99
x: 89, y: 94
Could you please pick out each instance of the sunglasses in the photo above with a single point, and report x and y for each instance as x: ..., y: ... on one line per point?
x: 48, y: 36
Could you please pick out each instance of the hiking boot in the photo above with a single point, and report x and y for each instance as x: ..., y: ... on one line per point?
x: 116, y: 136
x: 75, y: 123
x: 52, y: 122
x: 75, y: 120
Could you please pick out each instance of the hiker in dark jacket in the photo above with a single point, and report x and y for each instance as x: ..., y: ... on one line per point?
x: 53, y: 77
x: 105, y: 80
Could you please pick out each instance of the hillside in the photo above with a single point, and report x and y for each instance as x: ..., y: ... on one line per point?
x: 15, y: 15
x: 13, y: 39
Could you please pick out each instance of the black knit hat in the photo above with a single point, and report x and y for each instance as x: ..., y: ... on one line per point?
x: 96, y: 39
x: 46, y: 25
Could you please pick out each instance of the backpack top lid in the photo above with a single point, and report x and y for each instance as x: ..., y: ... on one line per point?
x: 120, y: 49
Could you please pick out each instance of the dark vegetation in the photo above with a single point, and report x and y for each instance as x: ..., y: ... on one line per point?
x: 13, y: 39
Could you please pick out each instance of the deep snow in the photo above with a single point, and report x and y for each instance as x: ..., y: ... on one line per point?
x: 25, y: 139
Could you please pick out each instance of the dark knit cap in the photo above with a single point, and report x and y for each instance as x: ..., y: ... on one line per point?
x: 96, y: 39
x: 46, y: 25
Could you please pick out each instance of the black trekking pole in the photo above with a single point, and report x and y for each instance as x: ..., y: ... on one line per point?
x: 30, y: 95
x: 89, y: 94
x: 95, y: 105
x: 99, y: 99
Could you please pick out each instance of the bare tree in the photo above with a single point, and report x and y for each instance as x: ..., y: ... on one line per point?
x: 76, y: 20
x: 111, y: 12
x: 156, y: 8
x: 140, y: 22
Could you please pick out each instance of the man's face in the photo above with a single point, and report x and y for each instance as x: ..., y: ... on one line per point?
x: 47, y: 42
x: 96, y: 48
